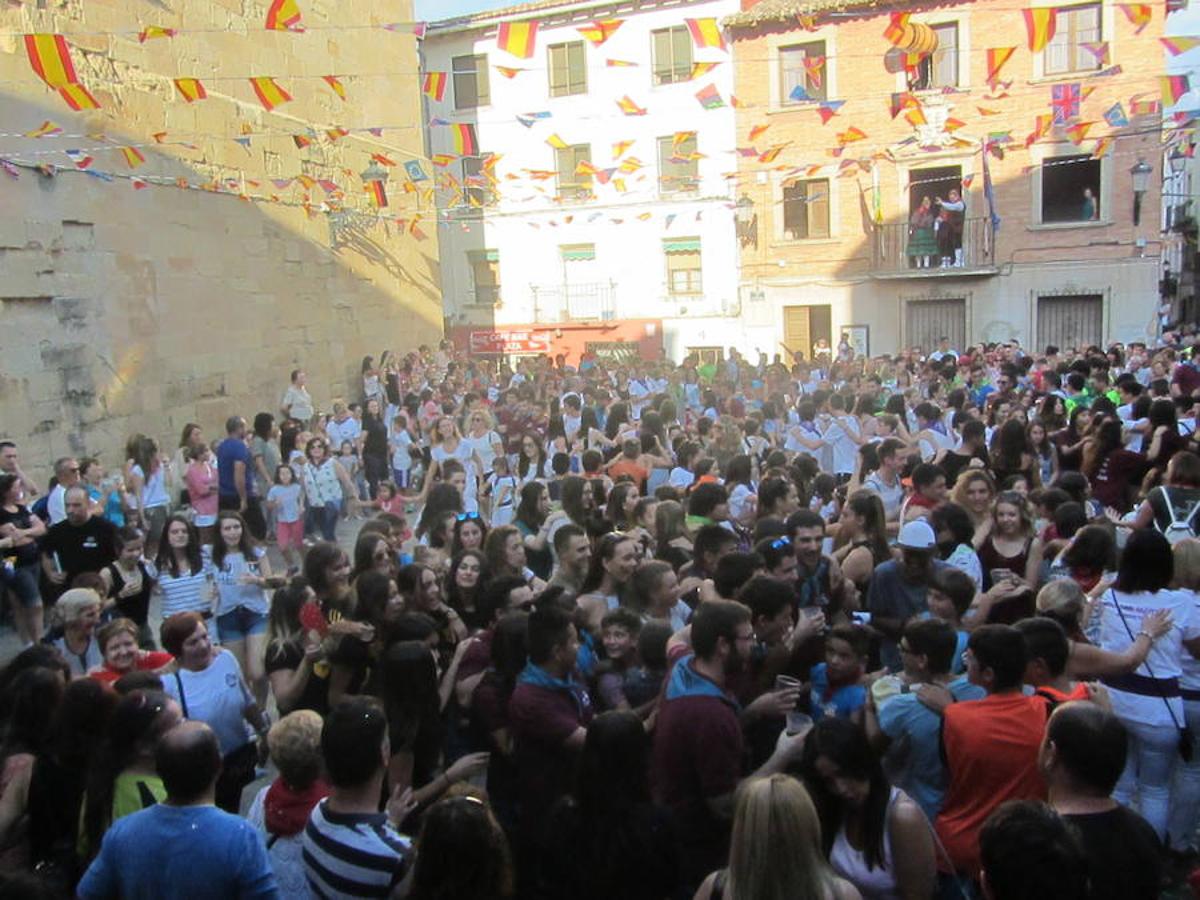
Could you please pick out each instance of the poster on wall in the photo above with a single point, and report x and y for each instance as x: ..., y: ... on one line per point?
x: 513, y: 341
x: 859, y: 339
x: 615, y: 352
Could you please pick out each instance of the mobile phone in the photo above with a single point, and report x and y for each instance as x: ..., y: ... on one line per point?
x: 861, y: 618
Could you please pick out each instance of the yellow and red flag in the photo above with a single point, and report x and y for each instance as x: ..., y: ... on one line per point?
x: 895, y: 31
x: 629, y: 107
x: 1180, y: 44
x: 619, y: 148
x: 600, y: 31
x: 1041, y: 128
x: 706, y: 33
x: 1040, y: 24
x: 700, y: 69
x: 996, y: 58
x: 509, y: 71
x: 133, y: 156
x: 378, y: 193
x: 283, y: 15
x: 300, y: 141
x: 335, y: 83
x: 850, y: 135
x: 383, y: 160
x: 1173, y: 87
x: 619, y: 63
x: 78, y: 97
x: 556, y: 142
x: 191, y: 89
x: 517, y: 38
x: 1139, y: 15
x: 46, y: 129
x: 1102, y: 147
x: 154, y: 31
x: 915, y: 117
x: 269, y: 94
x: 465, y: 141
x: 51, y: 59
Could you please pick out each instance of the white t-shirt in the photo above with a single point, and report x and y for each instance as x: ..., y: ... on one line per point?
x: 681, y: 477
x: 1166, y: 655
x: 401, y: 442
x: 288, y: 498
x: 216, y: 696
x: 639, y: 396
x: 340, y: 432
x: 842, y: 432
x: 739, y: 501
x: 464, y: 454
x: 892, y: 497
x: 485, y: 446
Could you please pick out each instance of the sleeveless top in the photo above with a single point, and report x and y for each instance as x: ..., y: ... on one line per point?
x: 878, y: 883
x: 135, y: 606
x: 991, y: 558
x: 321, y: 485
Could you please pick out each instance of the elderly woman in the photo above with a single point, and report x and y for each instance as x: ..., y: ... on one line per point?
x: 118, y: 643
x: 209, y: 688
x: 79, y: 611
x: 280, y: 810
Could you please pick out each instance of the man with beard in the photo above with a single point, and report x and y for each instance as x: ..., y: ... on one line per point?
x: 820, y: 584
x: 697, y: 758
x: 899, y: 588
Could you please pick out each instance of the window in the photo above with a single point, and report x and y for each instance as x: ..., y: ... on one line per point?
x: 678, y: 166
x: 927, y: 321
x: 672, y: 51
x: 1074, y: 27
x: 1071, y: 189
x: 476, y: 188
x: 1070, y: 321
x: 573, y: 184
x: 806, y: 209
x: 568, y: 69
x: 707, y: 356
x: 485, y: 272
x: 940, y: 68
x: 470, y: 82
x: 802, y: 73
x: 577, y: 252
x: 683, y: 266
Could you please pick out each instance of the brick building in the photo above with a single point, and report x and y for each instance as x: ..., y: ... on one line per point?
x: 859, y: 130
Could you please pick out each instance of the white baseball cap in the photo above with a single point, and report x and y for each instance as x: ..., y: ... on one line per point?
x: 917, y: 536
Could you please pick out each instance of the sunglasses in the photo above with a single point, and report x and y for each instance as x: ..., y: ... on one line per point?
x: 780, y: 543
x: 467, y: 516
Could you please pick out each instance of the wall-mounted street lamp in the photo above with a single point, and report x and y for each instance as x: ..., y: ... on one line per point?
x: 747, y: 221
x: 1140, y: 173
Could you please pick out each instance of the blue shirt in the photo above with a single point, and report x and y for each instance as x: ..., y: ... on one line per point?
x: 230, y: 451
x: 192, y: 852
x: 842, y: 703
x: 914, y: 758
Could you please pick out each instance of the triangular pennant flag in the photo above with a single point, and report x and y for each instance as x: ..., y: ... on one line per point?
x: 78, y: 97
x: 915, y: 117
x: 382, y: 160
x: 599, y: 32
x: 154, y: 31
x: 1078, y: 133
x: 190, y: 89
x: 619, y: 63
x: 629, y: 107
x: 300, y: 141
x: 269, y: 94
x: 1173, y: 87
x: 1099, y: 51
x: 1115, y: 116
x: 283, y: 15
x: 46, y: 129
x: 1040, y: 25
x: 709, y: 97
x: 133, y: 156
x: 244, y: 141
x: 1041, y: 128
x: 772, y: 154
x: 1180, y: 44
x: 335, y: 84
x: 700, y: 69
x: 556, y: 142
x: 986, y: 111
x: 80, y: 158
x: 1102, y: 147
x: 434, y: 85
x: 828, y: 109
x: 139, y: 184
x: 51, y: 59
x: 996, y: 58
x: 509, y: 71
x: 756, y: 131
x: 619, y: 148
x: 517, y: 38
x: 1139, y: 15
x: 706, y: 33
x: 465, y: 141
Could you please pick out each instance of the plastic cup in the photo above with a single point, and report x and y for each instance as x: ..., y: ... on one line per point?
x: 798, y: 722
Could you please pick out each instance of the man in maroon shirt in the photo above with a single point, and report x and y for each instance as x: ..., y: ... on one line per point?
x: 697, y: 758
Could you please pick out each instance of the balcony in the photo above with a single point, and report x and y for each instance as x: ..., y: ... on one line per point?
x: 589, y: 301
x: 890, y: 259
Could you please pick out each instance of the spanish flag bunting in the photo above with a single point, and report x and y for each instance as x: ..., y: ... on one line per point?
x: 996, y: 58
x: 335, y: 84
x: 850, y: 135
x: 700, y: 69
x: 517, y: 38
x: 629, y: 107
x: 1102, y: 147
x: 915, y: 117
x: 159, y: 137
x: 154, y: 31
x: 1078, y: 133
x: 734, y: 101
x: 382, y: 160
x: 133, y: 156
x: 986, y: 111
x: 283, y: 15
x: 300, y: 141
x: 1173, y: 87
x: 556, y: 142
x: 378, y: 193
x: 509, y: 71
x: 706, y: 33
x: 631, y: 164
x: 465, y: 141
x: 894, y: 33
x: 191, y: 89
x: 50, y: 58
x: 1040, y: 24
x: 619, y: 148
x: 442, y: 159
x: 1180, y: 44
x: 434, y: 86
x: 769, y: 156
x: 78, y: 97
x: 1099, y: 51
x: 585, y: 167
x: 46, y: 129
x: 1041, y: 127
x: 902, y: 100
x: 599, y: 32
x: 335, y: 134
x: 269, y: 94
x: 306, y: 181
x: 680, y: 138
x: 953, y: 124
x: 756, y: 131
x: 619, y: 63
x: 1138, y: 14
x: 807, y: 22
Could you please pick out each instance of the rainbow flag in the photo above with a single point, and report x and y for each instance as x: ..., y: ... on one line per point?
x: 709, y: 97
x: 51, y: 59
x: 1173, y: 87
x: 706, y: 33
x: 1138, y: 14
x: 335, y: 84
x: 46, y: 129
x: 1180, y: 44
x: 996, y: 58
x: 434, y: 86
x: 269, y: 94
x: 283, y: 15
x: 191, y: 89
x: 154, y: 31
x: 78, y: 97
x: 517, y: 38
x: 629, y: 107
x: 133, y: 156
x: 465, y: 141
x: 378, y: 193
x: 600, y: 31
x: 1040, y: 25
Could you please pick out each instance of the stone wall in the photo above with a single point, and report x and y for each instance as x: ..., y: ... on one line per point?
x: 126, y: 310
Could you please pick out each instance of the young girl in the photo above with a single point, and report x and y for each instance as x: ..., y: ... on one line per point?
x: 502, y: 489
x: 286, y: 499
x: 348, y: 458
x: 243, y: 574
x: 401, y: 444
x: 388, y: 499
x: 201, y: 481
x: 824, y: 497
x: 128, y: 583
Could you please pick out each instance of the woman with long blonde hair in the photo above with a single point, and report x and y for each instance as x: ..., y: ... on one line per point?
x: 776, y: 851
x: 975, y: 491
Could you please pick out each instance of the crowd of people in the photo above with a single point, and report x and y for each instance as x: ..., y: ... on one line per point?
x: 905, y: 627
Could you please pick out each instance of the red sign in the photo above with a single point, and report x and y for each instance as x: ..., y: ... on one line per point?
x: 510, y: 341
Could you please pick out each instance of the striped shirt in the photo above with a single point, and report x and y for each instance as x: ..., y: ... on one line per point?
x: 187, y: 592
x: 353, y: 854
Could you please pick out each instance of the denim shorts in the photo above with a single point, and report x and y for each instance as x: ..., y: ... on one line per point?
x: 22, y: 581
x: 241, y: 623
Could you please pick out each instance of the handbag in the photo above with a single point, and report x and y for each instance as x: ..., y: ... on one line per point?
x: 1187, y: 740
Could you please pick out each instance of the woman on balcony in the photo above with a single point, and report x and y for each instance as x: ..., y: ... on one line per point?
x: 922, y: 245
x: 949, y: 228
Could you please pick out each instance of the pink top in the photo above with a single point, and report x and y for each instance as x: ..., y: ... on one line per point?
x: 394, y: 505
x: 201, y: 480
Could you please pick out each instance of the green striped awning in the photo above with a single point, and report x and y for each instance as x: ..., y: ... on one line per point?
x: 682, y: 245
x: 578, y: 252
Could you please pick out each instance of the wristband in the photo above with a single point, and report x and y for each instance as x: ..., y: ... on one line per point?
x: 1145, y: 633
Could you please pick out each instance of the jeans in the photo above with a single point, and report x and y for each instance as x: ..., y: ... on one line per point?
x: 1153, y: 750
x: 1185, y: 810
x: 324, y: 519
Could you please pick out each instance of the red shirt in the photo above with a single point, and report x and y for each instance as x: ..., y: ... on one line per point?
x: 148, y: 661
x: 991, y: 749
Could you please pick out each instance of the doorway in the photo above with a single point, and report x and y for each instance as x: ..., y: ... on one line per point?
x: 803, y: 326
x: 932, y: 183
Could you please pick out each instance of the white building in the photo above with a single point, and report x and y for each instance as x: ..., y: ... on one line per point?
x: 594, y: 211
